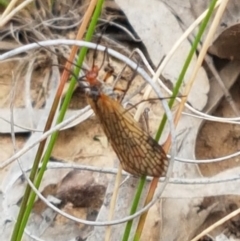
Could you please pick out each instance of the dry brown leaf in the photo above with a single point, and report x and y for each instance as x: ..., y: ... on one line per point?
x: 227, y: 44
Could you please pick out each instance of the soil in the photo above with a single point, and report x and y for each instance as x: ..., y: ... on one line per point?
x: 219, y: 139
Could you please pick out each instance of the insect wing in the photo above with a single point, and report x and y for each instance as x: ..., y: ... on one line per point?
x: 137, y: 151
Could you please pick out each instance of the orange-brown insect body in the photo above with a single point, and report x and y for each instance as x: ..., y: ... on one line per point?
x: 92, y: 75
x: 137, y: 151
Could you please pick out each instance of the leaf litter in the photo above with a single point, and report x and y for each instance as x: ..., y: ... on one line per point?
x: 76, y: 143
x: 184, y: 15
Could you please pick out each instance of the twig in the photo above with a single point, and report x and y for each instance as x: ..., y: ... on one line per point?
x: 13, y: 92
x: 113, y: 202
x: 216, y: 224
x: 133, y: 66
x: 13, y: 12
x: 43, y: 137
x: 222, y: 85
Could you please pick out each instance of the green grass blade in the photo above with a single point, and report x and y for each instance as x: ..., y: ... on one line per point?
x: 25, y: 212
x: 136, y: 200
x: 170, y: 103
x: 186, y: 65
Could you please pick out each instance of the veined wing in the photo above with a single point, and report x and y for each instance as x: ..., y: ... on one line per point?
x: 137, y: 151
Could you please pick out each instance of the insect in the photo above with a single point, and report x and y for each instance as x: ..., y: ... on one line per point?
x: 137, y: 151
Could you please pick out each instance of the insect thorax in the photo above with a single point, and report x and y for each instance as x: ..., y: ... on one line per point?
x: 93, y: 92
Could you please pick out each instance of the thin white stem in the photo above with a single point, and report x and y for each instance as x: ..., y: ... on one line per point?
x: 43, y: 137
x: 14, y: 11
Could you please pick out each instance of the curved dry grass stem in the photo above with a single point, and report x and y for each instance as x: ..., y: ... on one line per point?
x: 13, y: 93
x: 113, y: 202
x: 197, y: 114
x: 167, y: 144
x: 202, y: 54
x: 217, y: 224
x: 8, y: 9
x: 81, y: 31
x: 133, y: 66
x: 43, y: 137
x: 9, y: 14
x: 138, y: 153
x: 169, y: 56
x: 201, y: 57
x: 113, y: 171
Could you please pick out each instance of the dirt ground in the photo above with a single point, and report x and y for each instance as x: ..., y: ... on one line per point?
x: 219, y: 139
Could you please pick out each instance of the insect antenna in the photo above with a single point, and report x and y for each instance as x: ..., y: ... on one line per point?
x: 98, y: 43
x: 151, y: 99
x: 129, y: 84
